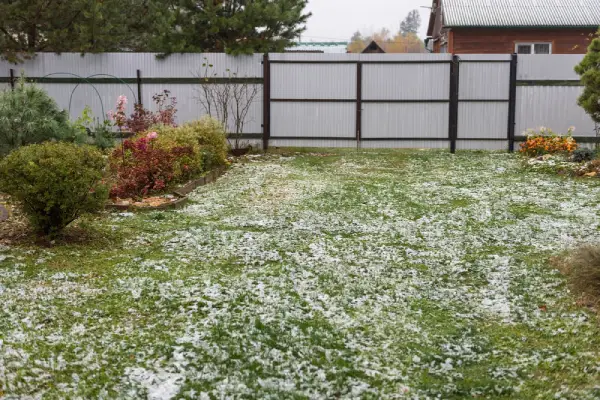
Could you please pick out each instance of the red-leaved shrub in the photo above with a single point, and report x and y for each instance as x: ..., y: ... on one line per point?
x: 142, y: 119
x: 141, y: 168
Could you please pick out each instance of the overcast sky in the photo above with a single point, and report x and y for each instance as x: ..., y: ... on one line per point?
x: 337, y: 20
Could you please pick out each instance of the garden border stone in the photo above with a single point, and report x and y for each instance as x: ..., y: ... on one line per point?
x: 180, y: 192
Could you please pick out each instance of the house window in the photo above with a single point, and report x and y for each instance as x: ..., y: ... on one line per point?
x: 444, y: 48
x: 533, y: 48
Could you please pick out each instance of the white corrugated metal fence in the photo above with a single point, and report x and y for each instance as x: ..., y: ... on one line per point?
x: 347, y: 100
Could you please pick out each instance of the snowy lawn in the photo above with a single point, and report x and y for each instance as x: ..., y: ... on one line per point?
x: 388, y: 274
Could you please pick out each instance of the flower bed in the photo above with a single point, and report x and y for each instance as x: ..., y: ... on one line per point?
x: 162, y: 155
x: 177, y: 199
x: 545, y: 141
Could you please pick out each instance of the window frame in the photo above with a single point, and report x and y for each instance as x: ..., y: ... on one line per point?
x: 532, y: 47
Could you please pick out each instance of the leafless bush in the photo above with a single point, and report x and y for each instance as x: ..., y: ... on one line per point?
x: 582, y: 268
x: 227, y: 99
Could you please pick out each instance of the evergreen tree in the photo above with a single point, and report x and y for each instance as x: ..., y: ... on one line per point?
x: 167, y: 26
x: 411, y: 23
x: 30, y: 26
x: 234, y: 26
x: 589, y: 70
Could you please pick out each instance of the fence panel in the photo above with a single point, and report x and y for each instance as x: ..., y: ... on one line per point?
x: 554, y: 67
x: 547, y: 93
x: 422, y: 81
x: 312, y: 120
x: 405, y: 120
x: 554, y: 107
x: 125, y: 65
x: 312, y: 99
x: 101, y: 98
x: 405, y: 97
x: 313, y: 81
x: 484, y: 80
x: 483, y: 108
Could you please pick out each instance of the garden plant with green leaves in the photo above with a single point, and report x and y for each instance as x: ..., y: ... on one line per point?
x: 28, y: 115
x: 55, y: 183
x: 589, y: 70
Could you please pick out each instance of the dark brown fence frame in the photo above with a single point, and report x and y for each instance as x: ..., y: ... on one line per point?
x: 453, y: 101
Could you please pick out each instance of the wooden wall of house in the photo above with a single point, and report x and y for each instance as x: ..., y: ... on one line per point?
x: 502, y: 40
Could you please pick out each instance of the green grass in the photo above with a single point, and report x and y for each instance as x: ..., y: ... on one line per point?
x: 371, y: 274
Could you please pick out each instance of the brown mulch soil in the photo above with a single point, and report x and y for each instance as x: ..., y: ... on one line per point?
x: 153, y: 201
x: 16, y: 227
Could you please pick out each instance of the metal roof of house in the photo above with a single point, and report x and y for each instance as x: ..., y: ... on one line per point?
x: 521, y: 13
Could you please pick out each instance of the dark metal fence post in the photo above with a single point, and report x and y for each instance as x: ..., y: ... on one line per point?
x: 139, y: 87
x: 12, y: 79
x: 512, y: 102
x: 453, y: 122
x: 358, y: 103
x: 266, y: 101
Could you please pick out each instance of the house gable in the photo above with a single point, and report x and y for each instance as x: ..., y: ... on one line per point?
x: 496, y: 26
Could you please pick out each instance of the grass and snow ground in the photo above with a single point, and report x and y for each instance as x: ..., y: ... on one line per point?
x: 372, y: 275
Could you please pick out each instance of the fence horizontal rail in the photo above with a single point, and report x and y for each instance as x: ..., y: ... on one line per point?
x: 387, y: 139
x: 484, y: 61
x: 175, y: 81
x: 390, y: 101
x: 579, y: 139
x: 549, y: 83
x: 313, y: 137
x: 359, y: 62
x: 483, y: 100
x: 384, y: 101
x: 313, y: 100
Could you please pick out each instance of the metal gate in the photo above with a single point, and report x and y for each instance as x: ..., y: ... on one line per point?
x: 389, y: 100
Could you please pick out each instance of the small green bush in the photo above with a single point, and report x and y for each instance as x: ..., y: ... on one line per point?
x: 169, y: 138
x: 55, y: 182
x: 212, y: 139
x: 28, y: 115
x: 206, y: 136
x: 583, y: 154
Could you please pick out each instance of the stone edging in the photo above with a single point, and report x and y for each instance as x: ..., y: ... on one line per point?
x: 180, y: 192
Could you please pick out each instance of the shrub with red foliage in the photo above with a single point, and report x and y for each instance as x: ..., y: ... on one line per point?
x: 142, y: 119
x: 142, y: 168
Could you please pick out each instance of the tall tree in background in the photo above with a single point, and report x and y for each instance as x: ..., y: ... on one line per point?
x: 411, y: 23
x: 165, y: 26
x: 356, y: 37
x: 235, y: 26
x: 29, y: 26
x: 357, y: 43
